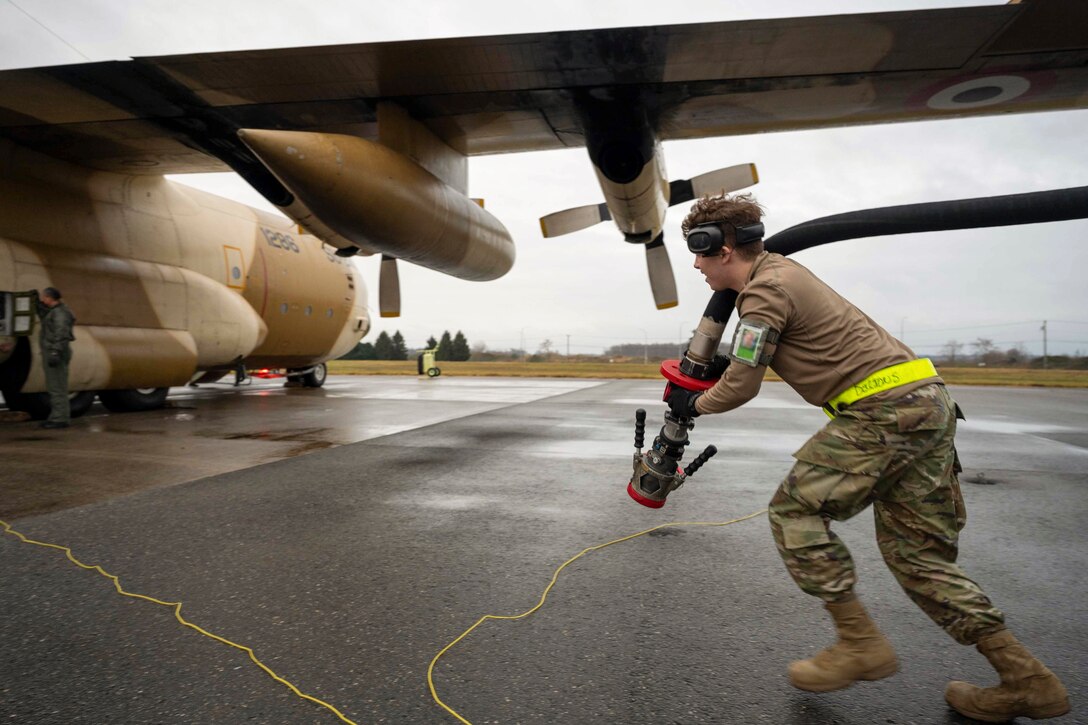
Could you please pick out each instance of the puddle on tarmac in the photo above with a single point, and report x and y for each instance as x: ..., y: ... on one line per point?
x: 448, y: 502
x: 1013, y: 427
x: 302, y: 435
x: 308, y: 448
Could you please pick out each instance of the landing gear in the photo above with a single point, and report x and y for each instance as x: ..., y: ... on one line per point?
x: 13, y: 373
x: 313, y: 377
x: 37, y: 404
x: 79, y: 403
x: 126, y: 401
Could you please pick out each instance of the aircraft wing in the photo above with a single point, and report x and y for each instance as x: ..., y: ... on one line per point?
x: 486, y: 95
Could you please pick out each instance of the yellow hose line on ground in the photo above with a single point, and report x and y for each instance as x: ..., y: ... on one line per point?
x: 547, y: 589
x: 177, y: 614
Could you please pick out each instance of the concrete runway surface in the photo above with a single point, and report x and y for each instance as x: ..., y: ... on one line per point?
x: 348, y: 534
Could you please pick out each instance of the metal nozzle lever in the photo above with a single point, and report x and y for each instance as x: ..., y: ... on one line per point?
x: 640, y: 427
x: 702, y: 458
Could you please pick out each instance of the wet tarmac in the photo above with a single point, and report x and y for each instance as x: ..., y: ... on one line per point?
x: 348, y: 534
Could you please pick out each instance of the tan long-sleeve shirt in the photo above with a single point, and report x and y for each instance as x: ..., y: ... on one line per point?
x: 826, y: 344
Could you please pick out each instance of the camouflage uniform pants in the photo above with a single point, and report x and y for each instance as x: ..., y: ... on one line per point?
x: 56, y: 384
x: 898, y: 456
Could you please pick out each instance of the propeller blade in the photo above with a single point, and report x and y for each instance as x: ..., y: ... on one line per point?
x: 573, y: 220
x: 388, y: 288
x: 713, y: 182
x: 662, y: 281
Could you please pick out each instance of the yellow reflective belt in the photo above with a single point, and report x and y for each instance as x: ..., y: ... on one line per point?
x: 881, y: 380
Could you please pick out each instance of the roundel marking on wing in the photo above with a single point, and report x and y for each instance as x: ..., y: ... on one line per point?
x: 979, y: 92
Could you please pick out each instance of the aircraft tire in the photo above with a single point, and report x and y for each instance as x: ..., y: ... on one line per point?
x: 316, y: 377
x: 34, y: 404
x: 37, y: 404
x: 80, y: 402
x: 433, y: 372
x: 129, y: 401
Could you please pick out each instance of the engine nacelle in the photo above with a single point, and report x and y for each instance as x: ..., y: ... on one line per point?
x: 629, y: 163
x: 384, y: 201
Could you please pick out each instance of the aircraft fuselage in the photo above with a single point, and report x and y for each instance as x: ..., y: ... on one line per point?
x: 165, y: 281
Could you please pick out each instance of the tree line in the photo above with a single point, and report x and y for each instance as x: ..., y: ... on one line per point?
x: 983, y: 351
x: 386, y: 347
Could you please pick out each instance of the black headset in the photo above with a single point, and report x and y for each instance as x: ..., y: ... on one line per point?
x: 708, y: 238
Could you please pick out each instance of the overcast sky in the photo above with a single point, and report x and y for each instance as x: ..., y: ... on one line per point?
x: 591, y: 286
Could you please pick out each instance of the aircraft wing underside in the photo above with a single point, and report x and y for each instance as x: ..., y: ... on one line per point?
x: 485, y: 95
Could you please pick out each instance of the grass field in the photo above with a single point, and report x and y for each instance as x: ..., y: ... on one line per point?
x: 1016, y: 377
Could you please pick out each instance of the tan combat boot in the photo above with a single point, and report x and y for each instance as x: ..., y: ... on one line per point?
x: 862, y: 653
x: 1027, y: 687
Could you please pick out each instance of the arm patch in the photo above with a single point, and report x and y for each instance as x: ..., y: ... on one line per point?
x: 749, y: 339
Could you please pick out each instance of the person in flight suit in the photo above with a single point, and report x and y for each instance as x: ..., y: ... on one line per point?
x: 55, y: 335
x: 889, y: 444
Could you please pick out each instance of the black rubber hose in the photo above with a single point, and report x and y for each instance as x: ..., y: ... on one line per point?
x: 992, y: 211
x: 721, y: 306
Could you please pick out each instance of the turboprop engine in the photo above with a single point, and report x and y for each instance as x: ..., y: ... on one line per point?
x: 384, y: 202
x: 630, y: 166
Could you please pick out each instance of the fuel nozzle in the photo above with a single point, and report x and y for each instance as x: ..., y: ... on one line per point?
x: 657, y: 472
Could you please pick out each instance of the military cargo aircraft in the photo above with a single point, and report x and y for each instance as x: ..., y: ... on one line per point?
x: 364, y: 148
